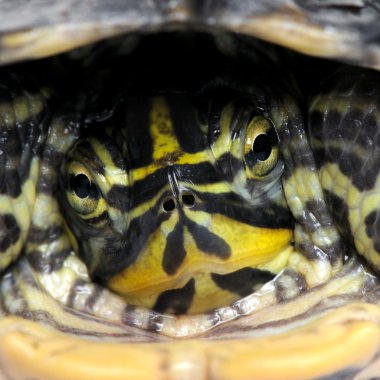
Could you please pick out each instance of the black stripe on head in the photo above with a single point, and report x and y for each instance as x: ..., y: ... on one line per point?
x: 97, y: 219
x: 229, y: 165
x: 214, y: 130
x: 116, y: 156
x: 87, y: 154
x: 215, y: 117
x: 117, y: 197
x: 241, y: 117
x: 207, y: 241
x: 243, y: 281
x: 119, y: 253
x: 176, y: 301
x: 112, y: 145
x: 147, y: 188
x: 174, y: 252
x: 186, y: 125
x: 140, y: 144
x: 231, y: 205
x: 201, y: 173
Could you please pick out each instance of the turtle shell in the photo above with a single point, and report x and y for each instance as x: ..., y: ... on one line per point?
x: 345, y: 30
x: 312, y: 336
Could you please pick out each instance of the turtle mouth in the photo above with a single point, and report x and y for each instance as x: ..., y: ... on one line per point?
x: 287, y: 328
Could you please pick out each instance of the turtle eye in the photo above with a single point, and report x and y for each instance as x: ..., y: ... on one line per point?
x: 260, y: 147
x: 82, y: 193
x: 81, y: 185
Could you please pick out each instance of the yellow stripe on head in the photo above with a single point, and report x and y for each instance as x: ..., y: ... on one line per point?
x: 166, y: 148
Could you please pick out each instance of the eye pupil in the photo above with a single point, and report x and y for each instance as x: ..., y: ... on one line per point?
x: 262, y: 147
x: 260, y: 151
x: 81, y: 185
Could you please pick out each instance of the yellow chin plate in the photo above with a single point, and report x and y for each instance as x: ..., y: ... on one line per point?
x: 253, y: 247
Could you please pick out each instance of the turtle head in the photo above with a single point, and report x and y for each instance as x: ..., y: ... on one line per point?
x: 178, y: 206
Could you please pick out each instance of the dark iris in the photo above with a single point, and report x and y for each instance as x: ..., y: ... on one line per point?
x: 262, y: 147
x: 81, y: 185
x: 261, y: 150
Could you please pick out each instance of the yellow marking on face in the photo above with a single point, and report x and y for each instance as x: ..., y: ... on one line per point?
x: 223, y: 142
x: 186, y: 158
x: 241, y: 245
x: 146, y: 274
x: 141, y: 173
x: 113, y: 174
x: 145, y: 206
x: 215, y: 188
x: 250, y: 246
x: 165, y: 144
x: 166, y: 148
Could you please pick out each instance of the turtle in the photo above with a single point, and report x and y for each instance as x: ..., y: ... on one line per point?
x: 189, y: 189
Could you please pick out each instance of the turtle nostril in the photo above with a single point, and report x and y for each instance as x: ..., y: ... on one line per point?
x: 188, y: 200
x: 168, y: 205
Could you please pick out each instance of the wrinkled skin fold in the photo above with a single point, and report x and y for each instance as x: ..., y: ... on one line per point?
x: 323, y: 296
